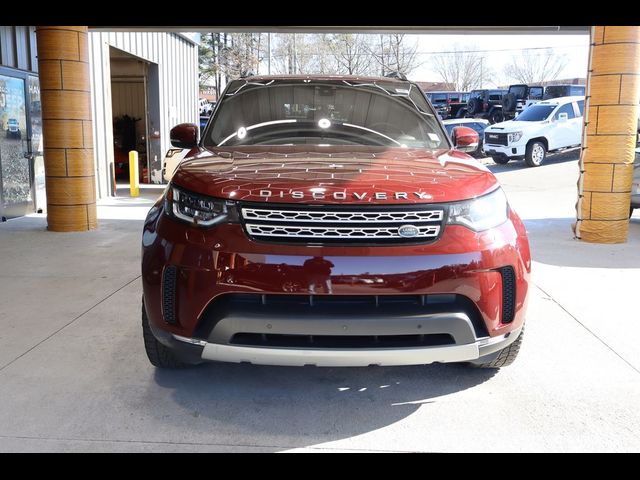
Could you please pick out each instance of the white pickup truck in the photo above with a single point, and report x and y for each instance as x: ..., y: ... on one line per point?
x: 546, y: 126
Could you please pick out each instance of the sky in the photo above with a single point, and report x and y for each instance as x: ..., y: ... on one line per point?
x: 499, y: 50
x: 575, y: 47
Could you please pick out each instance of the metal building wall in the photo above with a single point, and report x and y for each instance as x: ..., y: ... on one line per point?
x: 18, y: 47
x: 177, y: 62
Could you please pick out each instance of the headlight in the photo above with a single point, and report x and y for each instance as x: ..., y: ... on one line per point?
x: 514, y: 137
x: 198, y: 209
x: 480, y: 213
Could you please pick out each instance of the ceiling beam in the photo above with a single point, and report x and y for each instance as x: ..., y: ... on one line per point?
x: 440, y: 30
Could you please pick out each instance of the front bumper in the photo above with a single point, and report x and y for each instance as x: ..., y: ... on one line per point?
x: 453, y: 286
x: 511, y: 151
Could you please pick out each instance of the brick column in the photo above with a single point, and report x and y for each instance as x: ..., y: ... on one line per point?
x: 63, y: 65
x: 609, y: 137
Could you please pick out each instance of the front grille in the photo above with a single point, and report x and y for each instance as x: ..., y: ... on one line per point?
x: 341, y: 341
x: 340, y: 216
x: 290, y: 231
x: 496, y: 139
x: 340, y: 224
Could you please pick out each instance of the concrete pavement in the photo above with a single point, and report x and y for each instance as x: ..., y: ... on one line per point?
x: 74, y: 376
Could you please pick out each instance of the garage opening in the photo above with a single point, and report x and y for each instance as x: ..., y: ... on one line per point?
x: 130, y: 107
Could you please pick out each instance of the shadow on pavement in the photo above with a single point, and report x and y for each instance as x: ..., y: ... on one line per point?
x: 552, y: 242
x: 302, y: 406
x: 571, y: 156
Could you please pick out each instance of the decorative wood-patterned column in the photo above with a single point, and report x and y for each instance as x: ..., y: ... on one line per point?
x: 63, y: 64
x: 609, y: 137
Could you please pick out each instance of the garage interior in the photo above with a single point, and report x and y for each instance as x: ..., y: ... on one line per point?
x: 576, y: 386
x: 129, y: 77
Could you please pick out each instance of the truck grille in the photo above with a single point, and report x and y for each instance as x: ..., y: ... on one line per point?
x: 338, y: 224
x: 496, y: 139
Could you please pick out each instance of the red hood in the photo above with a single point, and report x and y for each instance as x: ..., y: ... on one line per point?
x: 323, y: 175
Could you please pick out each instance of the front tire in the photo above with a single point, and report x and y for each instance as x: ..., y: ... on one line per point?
x: 504, y: 357
x: 158, y: 354
x: 501, y: 160
x: 496, y: 117
x: 535, y: 154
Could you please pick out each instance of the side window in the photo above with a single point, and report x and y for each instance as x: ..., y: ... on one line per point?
x: 581, y: 107
x: 577, y: 90
x: 568, y: 109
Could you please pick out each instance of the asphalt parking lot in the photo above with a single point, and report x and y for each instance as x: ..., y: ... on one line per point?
x: 74, y: 375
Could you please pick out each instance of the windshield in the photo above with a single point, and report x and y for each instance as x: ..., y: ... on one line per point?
x: 324, y: 113
x: 536, y: 113
x: 438, y: 97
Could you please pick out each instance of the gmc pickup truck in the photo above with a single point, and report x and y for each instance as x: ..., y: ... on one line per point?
x: 331, y: 221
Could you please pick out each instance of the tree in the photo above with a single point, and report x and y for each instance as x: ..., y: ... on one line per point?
x: 350, y: 52
x: 229, y: 55
x: 462, y: 68
x: 536, y: 67
x: 393, y: 54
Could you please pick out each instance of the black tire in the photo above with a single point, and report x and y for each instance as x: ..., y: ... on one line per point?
x: 474, y: 105
x: 496, y: 116
x: 504, y: 358
x: 158, y: 354
x: 535, y: 154
x: 501, y: 160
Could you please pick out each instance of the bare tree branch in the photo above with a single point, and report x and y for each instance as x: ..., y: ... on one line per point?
x: 536, y: 67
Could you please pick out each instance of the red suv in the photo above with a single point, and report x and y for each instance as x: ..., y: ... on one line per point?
x: 331, y: 221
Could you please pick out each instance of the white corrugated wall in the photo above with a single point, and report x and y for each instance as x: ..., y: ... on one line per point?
x: 177, y: 60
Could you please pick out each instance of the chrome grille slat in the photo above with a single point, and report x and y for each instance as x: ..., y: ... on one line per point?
x: 320, y: 232
x: 338, y: 216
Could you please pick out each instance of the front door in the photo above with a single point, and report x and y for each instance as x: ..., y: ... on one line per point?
x: 16, y: 196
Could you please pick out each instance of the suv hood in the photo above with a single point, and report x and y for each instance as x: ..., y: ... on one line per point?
x: 324, y: 175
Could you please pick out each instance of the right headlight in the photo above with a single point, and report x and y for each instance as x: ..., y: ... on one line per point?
x: 514, y: 137
x: 480, y: 213
x: 198, y: 209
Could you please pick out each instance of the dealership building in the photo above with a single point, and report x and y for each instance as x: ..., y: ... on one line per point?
x: 79, y: 101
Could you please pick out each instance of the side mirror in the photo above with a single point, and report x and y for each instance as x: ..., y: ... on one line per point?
x: 465, y: 139
x: 563, y: 117
x: 184, y: 135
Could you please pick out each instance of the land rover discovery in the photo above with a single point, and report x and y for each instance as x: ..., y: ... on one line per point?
x: 331, y: 221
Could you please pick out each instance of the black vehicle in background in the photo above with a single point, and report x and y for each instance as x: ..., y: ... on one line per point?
x: 518, y: 97
x: 484, y: 104
x: 557, y: 91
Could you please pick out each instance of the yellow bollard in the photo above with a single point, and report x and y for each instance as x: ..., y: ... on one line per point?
x: 134, y: 179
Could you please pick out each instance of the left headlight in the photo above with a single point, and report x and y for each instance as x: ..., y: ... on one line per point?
x: 198, y: 209
x: 480, y: 213
x: 514, y: 137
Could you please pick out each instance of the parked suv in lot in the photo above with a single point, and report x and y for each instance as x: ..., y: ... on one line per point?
x: 547, y: 126
x: 13, y: 128
x: 331, y: 221
x: 442, y: 100
x: 518, y: 97
x: 484, y: 104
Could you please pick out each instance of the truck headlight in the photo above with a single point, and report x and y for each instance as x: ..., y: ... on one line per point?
x: 480, y: 213
x: 198, y: 209
x: 514, y: 137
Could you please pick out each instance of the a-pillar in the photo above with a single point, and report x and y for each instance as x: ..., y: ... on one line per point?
x: 63, y: 64
x: 609, y: 137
